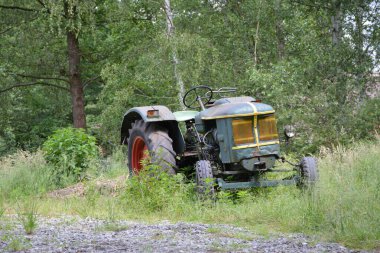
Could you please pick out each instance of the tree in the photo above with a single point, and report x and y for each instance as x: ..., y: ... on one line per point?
x: 69, y: 16
x: 170, y: 33
x: 290, y: 53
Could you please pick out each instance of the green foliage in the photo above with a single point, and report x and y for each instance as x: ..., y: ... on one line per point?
x: 157, y: 191
x: 27, y: 215
x: 70, y: 15
x: 366, y: 124
x: 2, y: 209
x: 346, y: 202
x: 15, y: 243
x: 343, y: 207
x: 260, y: 47
x: 24, y: 174
x: 7, y: 142
x: 70, y: 151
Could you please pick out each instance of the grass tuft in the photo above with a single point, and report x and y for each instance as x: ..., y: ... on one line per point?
x: 27, y: 215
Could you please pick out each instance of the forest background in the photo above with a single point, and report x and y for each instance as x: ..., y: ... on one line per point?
x: 84, y: 63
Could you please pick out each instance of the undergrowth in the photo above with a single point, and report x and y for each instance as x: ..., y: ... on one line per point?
x: 24, y: 174
x: 343, y: 207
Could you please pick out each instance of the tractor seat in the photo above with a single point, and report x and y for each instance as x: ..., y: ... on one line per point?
x: 184, y: 115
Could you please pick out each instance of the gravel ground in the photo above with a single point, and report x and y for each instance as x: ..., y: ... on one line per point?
x: 73, y: 234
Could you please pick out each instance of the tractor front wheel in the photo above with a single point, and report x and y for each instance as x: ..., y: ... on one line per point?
x: 204, y: 178
x: 308, y: 172
x: 150, y: 141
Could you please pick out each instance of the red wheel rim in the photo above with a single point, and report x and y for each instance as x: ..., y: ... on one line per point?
x: 139, y: 152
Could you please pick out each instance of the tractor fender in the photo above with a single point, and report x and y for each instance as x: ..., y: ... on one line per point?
x: 165, y: 118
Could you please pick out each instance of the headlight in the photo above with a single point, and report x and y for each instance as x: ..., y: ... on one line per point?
x: 289, y: 131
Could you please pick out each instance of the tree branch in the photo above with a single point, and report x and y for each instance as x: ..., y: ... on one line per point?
x: 318, y: 6
x: 17, y: 8
x: 41, y: 77
x: 6, y: 30
x: 41, y: 3
x: 44, y: 6
x: 90, y: 80
x: 34, y: 83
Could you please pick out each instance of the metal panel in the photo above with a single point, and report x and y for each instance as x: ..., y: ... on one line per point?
x: 224, y: 136
x: 264, y: 183
x: 230, y: 154
x: 230, y: 110
x: 185, y: 115
x: 165, y: 116
x: 164, y: 113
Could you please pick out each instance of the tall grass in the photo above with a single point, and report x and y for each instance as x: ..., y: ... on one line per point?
x: 23, y: 174
x: 347, y: 200
x: 344, y: 205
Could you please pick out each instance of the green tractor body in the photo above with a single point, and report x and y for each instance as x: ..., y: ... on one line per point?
x: 232, y: 141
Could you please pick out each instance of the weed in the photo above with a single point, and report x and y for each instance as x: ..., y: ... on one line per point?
x: 112, y: 226
x: 14, y: 243
x: 217, y: 247
x: 2, y: 210
x: 213, y: 230
x: 70, y: 151
x: 114, y: 165
x: 236, y: 246
x: 224, y: 232
x: 22, y: 175
x: 156, y: 191
x: 27, y: 215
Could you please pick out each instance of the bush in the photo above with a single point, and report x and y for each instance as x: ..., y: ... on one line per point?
x: 71, y: 152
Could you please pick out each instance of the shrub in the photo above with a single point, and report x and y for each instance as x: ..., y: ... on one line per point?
x: 71, y: 152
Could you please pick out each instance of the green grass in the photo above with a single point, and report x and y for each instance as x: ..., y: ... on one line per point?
x: 15, y: 243
x: 27, y: 215
x: 23, y: 175
x: 222, y: 232
x: 344, y: 206
x: 112, y: 226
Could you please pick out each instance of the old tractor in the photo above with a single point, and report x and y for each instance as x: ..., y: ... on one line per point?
x: 231, y: 142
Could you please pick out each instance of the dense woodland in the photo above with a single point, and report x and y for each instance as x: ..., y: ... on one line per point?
x: 84, y: 63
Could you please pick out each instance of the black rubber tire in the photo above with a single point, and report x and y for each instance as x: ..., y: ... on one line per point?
x: 160, y: 145
x: 204, y: 179
x: 308, y: 172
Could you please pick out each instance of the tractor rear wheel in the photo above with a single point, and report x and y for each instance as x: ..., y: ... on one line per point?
x: 150, y: 140
x: 204, y: 178
x: 308, y: 172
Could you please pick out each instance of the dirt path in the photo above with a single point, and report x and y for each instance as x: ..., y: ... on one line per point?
x: 73, y: 234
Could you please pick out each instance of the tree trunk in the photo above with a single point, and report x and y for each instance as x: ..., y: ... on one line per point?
x: 170, y: 32
x: 256, y: 43
x: 336, y: 22
x: 359, y: 40
x: 279, y: 30
x: 76, y: 88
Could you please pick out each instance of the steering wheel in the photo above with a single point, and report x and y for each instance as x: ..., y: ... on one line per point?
x: 192, y: 96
